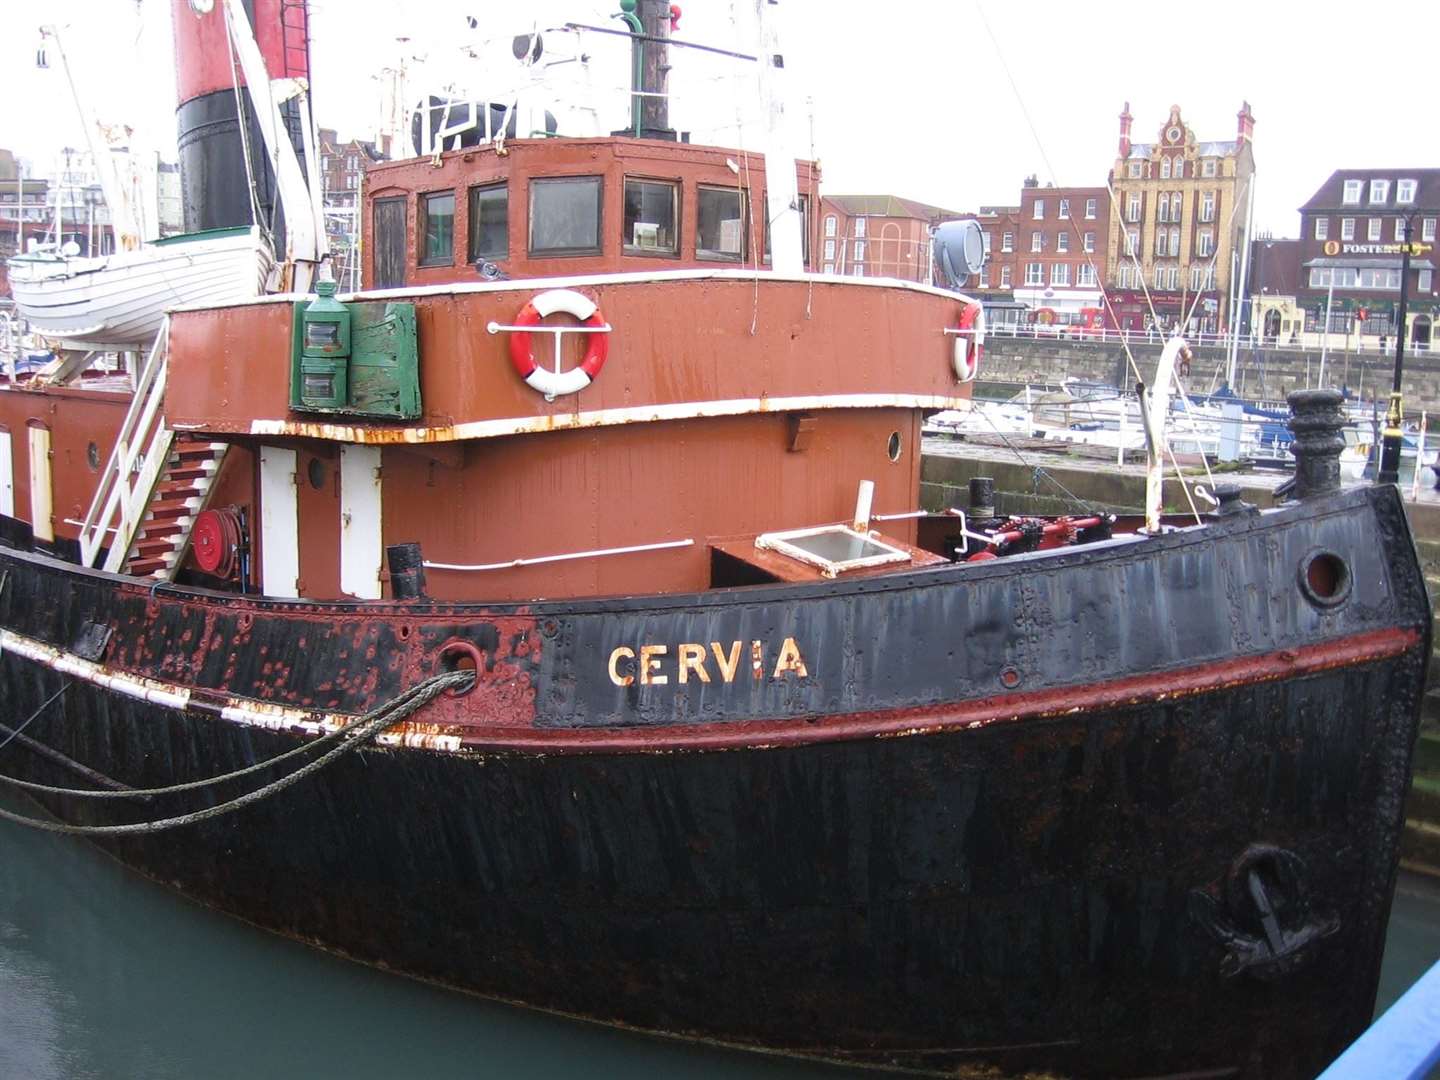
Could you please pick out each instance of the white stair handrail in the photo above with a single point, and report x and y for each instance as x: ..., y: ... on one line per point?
x: 140, y: 433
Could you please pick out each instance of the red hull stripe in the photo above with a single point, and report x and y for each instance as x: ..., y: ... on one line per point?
x: 980, y: 712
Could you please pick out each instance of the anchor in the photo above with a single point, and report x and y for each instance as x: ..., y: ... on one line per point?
x: 1264, y: 920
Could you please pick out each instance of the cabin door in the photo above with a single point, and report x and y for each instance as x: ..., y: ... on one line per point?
x: 7, y: 476
x: 389, y: 243
x: 41, y: 497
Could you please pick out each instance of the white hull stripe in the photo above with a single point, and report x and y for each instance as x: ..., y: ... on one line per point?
x: 526, y: 425
x: 521, y: 286
x: 182, y: 699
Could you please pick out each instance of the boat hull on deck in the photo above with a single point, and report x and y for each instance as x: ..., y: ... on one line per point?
x: 118, y: 301
x: 1012, y: 814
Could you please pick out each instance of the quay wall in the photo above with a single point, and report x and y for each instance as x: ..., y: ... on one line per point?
x: 1262, y: 373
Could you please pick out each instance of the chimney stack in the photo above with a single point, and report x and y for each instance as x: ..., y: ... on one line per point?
x: 1125, y: 119
x: 1245, y: 123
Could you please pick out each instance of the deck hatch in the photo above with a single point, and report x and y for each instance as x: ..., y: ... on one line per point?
x: 833, y: 549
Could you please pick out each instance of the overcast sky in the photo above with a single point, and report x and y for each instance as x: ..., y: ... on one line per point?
x: 911, y: 99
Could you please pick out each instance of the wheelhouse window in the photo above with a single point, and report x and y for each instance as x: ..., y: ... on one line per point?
x: 437, y: 229
x: 719, y: 223
x: 489, y: 227
x: 652, y: 211
x: 565, y: 215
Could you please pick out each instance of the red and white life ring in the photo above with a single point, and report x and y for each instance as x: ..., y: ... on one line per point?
x: 522, y: 353
x: 969, y: 342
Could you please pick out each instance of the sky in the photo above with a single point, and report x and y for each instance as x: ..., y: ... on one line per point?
x: 952, y: 102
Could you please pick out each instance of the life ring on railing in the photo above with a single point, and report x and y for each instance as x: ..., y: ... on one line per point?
x: 522, y: 354
x: 969, y: 342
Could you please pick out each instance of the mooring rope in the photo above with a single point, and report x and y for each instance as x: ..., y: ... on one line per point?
x: 193, y: 785
x: 362, y: 729
x: 15, y: 732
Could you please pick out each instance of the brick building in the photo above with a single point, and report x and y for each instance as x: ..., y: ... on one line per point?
x: 342, y: 174
x: 1351, y: 231
x: 1273, y: 291
x: 878, y: 235
x: 1062, y: 239
x: 1181, y: 212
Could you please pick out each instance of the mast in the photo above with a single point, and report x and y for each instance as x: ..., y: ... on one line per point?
x: 782, y: 195
x: 654, y: 70
x: 1240, y: 284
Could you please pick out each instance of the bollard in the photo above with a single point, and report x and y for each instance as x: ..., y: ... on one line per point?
x: 407, y: 571
x: 982, y: 497
x: 1317, y: 422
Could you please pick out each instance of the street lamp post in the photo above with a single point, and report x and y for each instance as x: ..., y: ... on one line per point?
x: 1390, y: 450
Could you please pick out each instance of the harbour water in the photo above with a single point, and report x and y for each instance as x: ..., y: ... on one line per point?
x: 106, y: 976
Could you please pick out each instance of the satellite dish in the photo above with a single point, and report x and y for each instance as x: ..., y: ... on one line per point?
x: 959, y: 252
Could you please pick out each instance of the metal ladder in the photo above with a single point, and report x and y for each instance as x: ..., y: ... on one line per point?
x: 152, y: 487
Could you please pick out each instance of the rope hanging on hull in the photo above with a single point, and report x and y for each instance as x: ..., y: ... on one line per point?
x: 360, y: 731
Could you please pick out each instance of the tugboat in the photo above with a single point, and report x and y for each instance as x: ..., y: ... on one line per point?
x: 567, y: 629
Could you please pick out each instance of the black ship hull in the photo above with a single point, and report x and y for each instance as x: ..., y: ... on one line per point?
x: 1171, y: 865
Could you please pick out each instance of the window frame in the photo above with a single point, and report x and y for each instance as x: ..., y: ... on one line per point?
x: 1379, y: 191
x: 1007, y: 242
x: 471, y: 255
x: 1406, y: 185
x: 1373, y: 229
x: 711, y: 255
x: 676, y: 209
x: 1347, y: 229
x: 1037, y: 277
x: 1037, y: 210
x: 536, y: 182
x: 422, y: 219
x: 1351, y: 192
x: 1322, y: 228
x: 1092, y: 207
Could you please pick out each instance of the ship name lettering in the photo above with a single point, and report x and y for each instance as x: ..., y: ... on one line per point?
x: 656, y: 665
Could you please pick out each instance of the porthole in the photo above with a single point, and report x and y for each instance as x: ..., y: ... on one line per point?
x: 317, y: 473
x: 92, y: 456
x: 1325, y: 579
x: 893, y: 447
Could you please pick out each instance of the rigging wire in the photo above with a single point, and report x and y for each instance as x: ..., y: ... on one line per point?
x: 1114, y: 202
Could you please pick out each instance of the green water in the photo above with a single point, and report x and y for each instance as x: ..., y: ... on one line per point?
x: 104, y: 976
